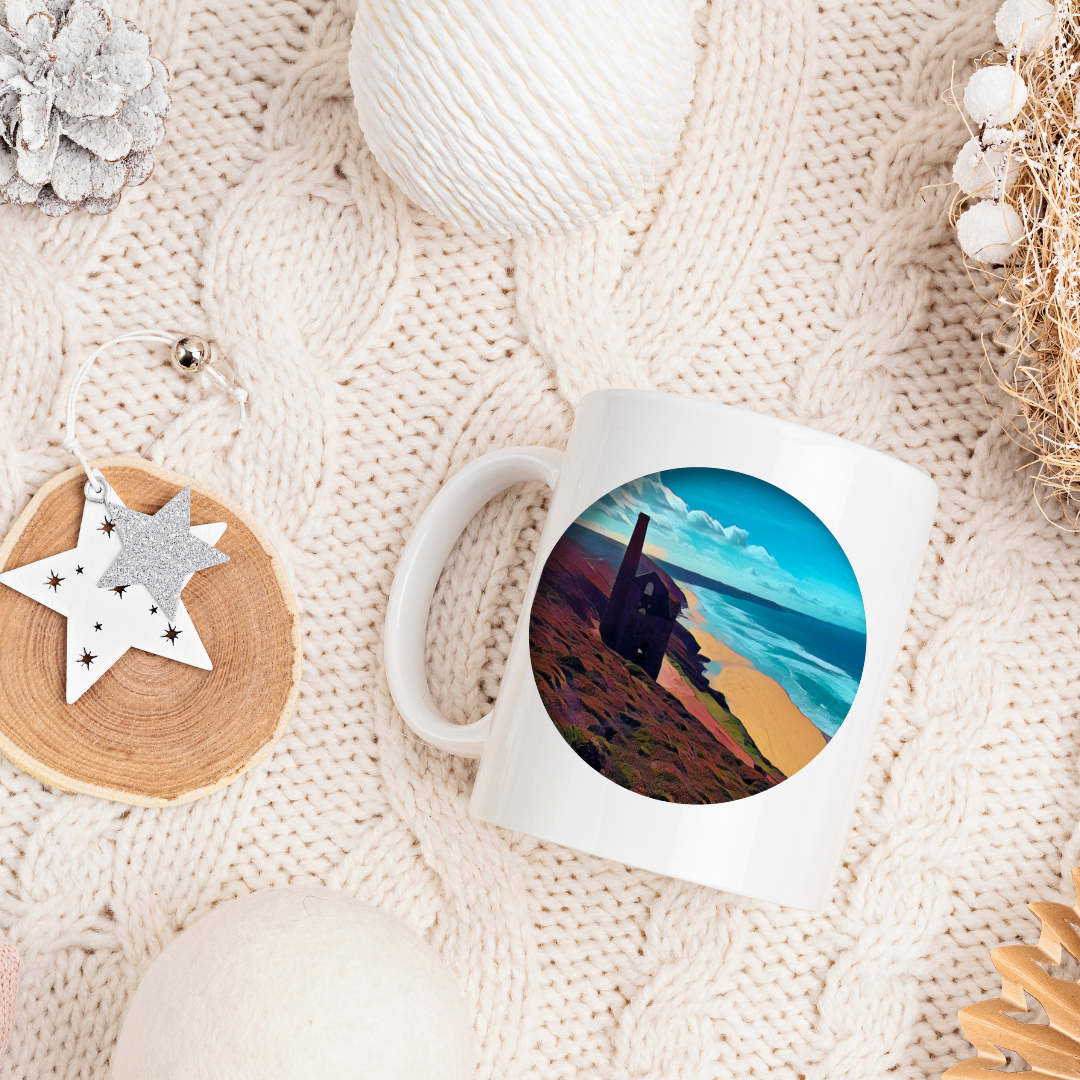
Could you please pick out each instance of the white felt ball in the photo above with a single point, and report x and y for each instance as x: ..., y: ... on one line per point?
x: 995, y: 95
x: 978, y: 170
x: 521, y: 119
x: 296, y: 983
x: 1034, y: 19
x: 988, y: 231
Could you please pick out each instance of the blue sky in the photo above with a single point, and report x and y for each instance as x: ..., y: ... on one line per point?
x: 739, y: 530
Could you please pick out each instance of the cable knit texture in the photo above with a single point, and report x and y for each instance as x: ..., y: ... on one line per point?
x: 9, y: 988
x: 795, y: 260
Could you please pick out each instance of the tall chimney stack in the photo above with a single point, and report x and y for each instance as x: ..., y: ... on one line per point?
x: 612, y: 620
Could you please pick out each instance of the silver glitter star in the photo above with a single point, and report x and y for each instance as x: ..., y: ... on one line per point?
x: 159, y: 551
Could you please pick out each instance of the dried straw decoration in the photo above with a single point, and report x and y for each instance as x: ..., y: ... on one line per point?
x: 1040, y: 284
x: 1052, y: 1049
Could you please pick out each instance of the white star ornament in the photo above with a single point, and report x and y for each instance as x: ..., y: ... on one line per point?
x: 103, y: 623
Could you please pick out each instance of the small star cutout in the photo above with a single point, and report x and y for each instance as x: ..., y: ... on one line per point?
x: 119, y: 590
x: 78, y: 569
x: 107, y: 527
x: 54, y: 581
x: 97, y: 626
x: 87, y: 658
x: 153, y: 610
x: 172, y: 633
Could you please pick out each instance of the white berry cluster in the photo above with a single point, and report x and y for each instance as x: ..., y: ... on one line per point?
x: 82, y: 105
x: 988, y: 164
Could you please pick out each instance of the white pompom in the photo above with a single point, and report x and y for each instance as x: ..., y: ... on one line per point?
x: 984, y: 172
x: 995, y: 95
x: 296, y: 982
x: 988, y: 231
x: 1034, y: 18
x: 522, y: 119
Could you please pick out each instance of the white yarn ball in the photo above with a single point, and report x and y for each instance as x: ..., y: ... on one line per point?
x: 988, y: 231
x: 522, y: 119
x: 978, y: 171
x: 1034, y: 18
x: 294, y: 983
x: 995, y: 95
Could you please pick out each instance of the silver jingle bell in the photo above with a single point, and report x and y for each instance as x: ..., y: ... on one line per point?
x: 190, y: 355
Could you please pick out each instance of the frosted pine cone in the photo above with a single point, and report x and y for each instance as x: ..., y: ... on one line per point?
x: 82, y: 105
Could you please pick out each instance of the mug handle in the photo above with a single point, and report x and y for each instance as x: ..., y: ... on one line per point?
x: 434, y: 537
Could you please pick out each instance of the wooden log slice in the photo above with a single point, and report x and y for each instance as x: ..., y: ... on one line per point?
x: 150, y: 731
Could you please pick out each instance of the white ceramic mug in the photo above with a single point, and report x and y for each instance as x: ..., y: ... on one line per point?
x: 705, y: 647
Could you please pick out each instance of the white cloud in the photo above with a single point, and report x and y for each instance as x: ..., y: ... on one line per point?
x: 673, y: 517
x: 697, y: 541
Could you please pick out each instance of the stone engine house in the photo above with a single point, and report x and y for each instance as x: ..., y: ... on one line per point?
x: 642, y: 608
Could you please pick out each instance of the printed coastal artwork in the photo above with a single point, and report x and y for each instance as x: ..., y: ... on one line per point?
x: 697, y: 636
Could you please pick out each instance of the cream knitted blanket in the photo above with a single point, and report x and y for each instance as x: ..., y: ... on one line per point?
x: 794, y: 262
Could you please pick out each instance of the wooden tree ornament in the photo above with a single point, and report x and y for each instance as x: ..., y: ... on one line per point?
x: 150, y: 731
x: 1051, y: 1050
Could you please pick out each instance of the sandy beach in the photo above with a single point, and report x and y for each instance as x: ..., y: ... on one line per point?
x: 674, y: 683
x: 781, y: 731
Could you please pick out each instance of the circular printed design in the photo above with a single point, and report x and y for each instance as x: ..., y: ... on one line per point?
x: 697, y: 636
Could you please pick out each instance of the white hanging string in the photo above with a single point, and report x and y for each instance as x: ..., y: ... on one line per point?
x: 236, y: 393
